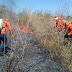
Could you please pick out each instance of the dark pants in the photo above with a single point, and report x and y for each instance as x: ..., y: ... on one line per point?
x: 68, y: 37
x: 2, y: 37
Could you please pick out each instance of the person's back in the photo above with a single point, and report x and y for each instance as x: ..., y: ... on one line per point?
x: 5, y: 24
x: 69, y: 30
x: 67, y: 27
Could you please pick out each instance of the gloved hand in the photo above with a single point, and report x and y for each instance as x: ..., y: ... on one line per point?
x: 11, y: 35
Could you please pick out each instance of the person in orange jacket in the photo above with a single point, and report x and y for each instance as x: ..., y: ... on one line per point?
x: 58, y: 25
x: 68, y: 29
x: 58, y: 22
x: 3, y: 24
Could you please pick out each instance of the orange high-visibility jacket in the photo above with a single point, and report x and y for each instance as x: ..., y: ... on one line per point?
x: 58, y: 25
x: 5, y: 24
x: 68, y: 28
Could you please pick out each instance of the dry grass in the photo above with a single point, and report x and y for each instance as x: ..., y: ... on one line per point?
x: 49, y: 39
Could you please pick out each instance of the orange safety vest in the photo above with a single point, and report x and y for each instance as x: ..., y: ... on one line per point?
x: 5, y: 24
x: 68, y: 28
x: 58, y: 25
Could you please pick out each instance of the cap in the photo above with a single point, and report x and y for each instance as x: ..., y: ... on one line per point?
x: 55, y: 16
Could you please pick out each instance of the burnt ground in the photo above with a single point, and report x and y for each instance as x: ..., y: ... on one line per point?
x: 35, y: 58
